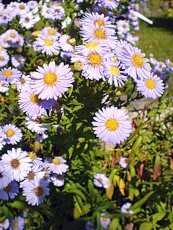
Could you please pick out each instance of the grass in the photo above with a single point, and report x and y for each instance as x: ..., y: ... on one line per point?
x: 157, y: 39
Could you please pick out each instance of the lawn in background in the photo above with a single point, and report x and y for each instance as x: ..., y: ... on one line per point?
x: 157, y: 39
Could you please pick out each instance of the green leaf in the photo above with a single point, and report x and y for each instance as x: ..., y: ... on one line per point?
x: 17, y: 204
x: 114, y: 224
x: 157, y: 217
x: 142, y: 201
x: 146, y: 226
x: 110, y: 191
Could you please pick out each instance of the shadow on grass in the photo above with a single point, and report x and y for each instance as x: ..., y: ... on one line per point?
x: 165, y: 23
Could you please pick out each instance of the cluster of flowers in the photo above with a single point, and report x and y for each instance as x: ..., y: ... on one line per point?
x: 21, y: 170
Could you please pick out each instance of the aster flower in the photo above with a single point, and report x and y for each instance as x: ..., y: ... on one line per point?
x: 57, y: 180
x: 10, y: 191
x: 22, y: 8
x: 15, y: 164
x: 110, y: 4
x: 5, y: 224
x: 4, y: 86
x: 123, y: 162
x: 28, y: 20
x: 87, y: 47
x: 51, y: 81
x: 36, y: 173
x: 58, y: 165
x: 35, y: 160
x: 114, y: 73
x: 135, y: 64
x: 65, y: 43
x: 32, y: 4
x: 35, y: 191
x: 2, y: 137
x: 123, y: 27
x: 17, y: 223
x: 9, y: 74
x: 34, y: 124
x: 23, y: 83
x: 151, y: 87
x: 12, y: 134
x: 4, y: 58
x: 100, y: 180
x: 49, y: 32
x: 12, y: 35
x: 46, y: 45
x: 4, y: 180
x: 18, y: 60
x: 112, y: 125
x: 30, y: 103
x: 125, y: 208
x: 104, y: 221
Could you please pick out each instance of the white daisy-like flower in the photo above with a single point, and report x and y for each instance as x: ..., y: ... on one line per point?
x: 4, y: 180
x: 9, y: 74
x: 87, y: 47
x: 114, y: 73
x: 10, y: 191
x: 151, y: 87
x: 135, y: 63
x: 123, y: 162
x: 12, y: 35
x: 125, y: 208
x: 28, y: 20
x: 46, y: 45
x: 4, y: 86
x: 32, y: 4
x: 57, y: 180
x: 18, y: 60
x: 36, y: 173
x: 12, y: 134
x: 112, y: 125
x: 35, y: 191
x: 35, y: 160
x: 51, y: 81
x: 58, y: 165
x: 5, y: 224
x: 23, y: 83
x: 123, y: 27
x: 17, y: 223
x: 15, y: 164
x: 104, y: 221
x: 2, y: 137
x: 49, y: 32
x: 65, y: 44
x: 22, y: 8
x: 34, y: 124
x: 110, y: 4
x: 101, y: 181
x: 4, y: 58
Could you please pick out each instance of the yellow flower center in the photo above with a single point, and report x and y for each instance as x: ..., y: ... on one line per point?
x: 12, y: 35
x: 50, y: 79
x: 22, y: 80
x: 91, y: 45
x: 22, y: 7
x: 48, y: 42
x: 32, y: 156
x: 94, y: 59
x: 150, y: 83
x: 112, y: 124
x: 34, y: 99
x: 7, y: 73
x: 114, y: 71
x: 9, y: 133
x: 104, y: 219
x: 56, y: 161
x: 51, y: 32
x: 38, y: 191
x: 137, y: 60
x: 15, y: 163
x: 99, y: 23
x: 36, y: 33
x: 2, y: 58
x: 31, y: 175
x: 100, y: 34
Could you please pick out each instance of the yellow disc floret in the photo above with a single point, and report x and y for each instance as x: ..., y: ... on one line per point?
x: 34, y: 99
x: 150, y: 83
x: 48, y: 42
x: 92, y: 45
x: 114, y: 71
x: 99, y: 23
x: 56, y: 161
x: 137, y: 60
x: 100, y: 34
x: 51, y: 32
x: 50, y: 79
x: 112, y: 124
x: 95, y: 59
x: 9, y: 132
x: 7, y: 73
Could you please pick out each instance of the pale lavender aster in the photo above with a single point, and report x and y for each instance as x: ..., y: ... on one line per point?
x: 58, y: 165
x: 15, y: 164
x: 5, y: 224
x: 4, y: 58
x: 51, y: 81
x: 112, y: 125
x: 151, y: 87
x: 135, y: 63
x: 12, y: 134
x: 4, y: 180
x: 104, y: 221
x: 17, y: 223
x: 125, y: 208
x: 9, y: 74
x: 10, y: 191
x: 4, y: 86
x: 101, y: 181
x: 57, y: 180
x: 35, y: 191
x: 110, y: 4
